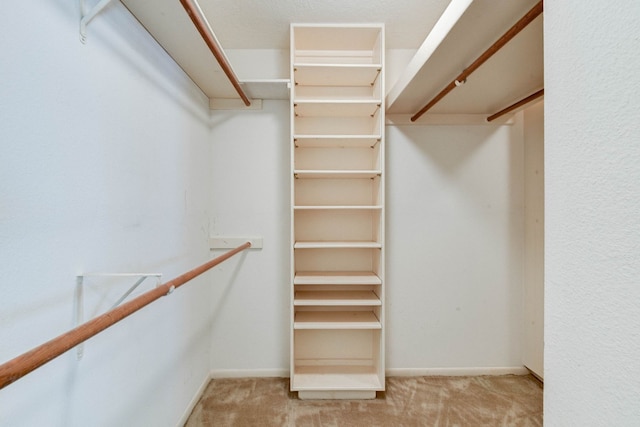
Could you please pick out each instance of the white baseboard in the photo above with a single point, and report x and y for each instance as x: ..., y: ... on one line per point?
x: 391, y: 372
x: 456, y: 372
x: 250, y: 373
x: 194, y: 401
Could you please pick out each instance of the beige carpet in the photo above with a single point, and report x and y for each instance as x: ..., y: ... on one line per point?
x: 409, y: 401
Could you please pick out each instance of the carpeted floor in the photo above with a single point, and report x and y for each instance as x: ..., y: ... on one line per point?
x: 408, y: 401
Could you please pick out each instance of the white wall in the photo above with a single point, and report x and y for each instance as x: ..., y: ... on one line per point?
x: 250, y: 195
x: 104, y: 166
x: 533, y: 298
x: 592, y: 202
x: 454, y: 247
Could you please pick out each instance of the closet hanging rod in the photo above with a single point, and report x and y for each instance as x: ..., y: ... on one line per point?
x: 20, y: 366
x: 511, y: 33
x: 197, y: 17
x: 515, y: 105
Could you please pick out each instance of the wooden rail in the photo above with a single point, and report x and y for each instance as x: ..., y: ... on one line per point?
x: 515, y: 105
x: 511, y: 33
x: 195, y: 13
x: 20, y: 366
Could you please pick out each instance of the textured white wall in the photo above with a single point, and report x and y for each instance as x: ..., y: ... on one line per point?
x: 104, y: 166
x: 592, y: 253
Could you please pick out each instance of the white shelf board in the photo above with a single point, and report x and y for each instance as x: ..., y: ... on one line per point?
x: 335, y: 174
x: 345, y: 136
x: 267, y: 89
x: 336, y: 298
x: 336, y: 74
x: 336, y: 245
x: 335, y: 378
x: 317, y: 107
x: 339, y: 208
x: 336, y: 278
x: 336, y: 320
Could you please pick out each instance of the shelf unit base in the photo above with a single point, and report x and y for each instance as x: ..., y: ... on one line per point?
x: 336, y: 382
x: 336, y: 395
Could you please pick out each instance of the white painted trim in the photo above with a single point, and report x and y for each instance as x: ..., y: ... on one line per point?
x: 456, y: 372
x: 446, y: 120
x: 194, y: 401
x: 250, y: 373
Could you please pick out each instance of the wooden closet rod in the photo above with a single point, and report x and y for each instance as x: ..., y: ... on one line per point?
x: 20, y: 366
x: 511, y: 33
x: 195, y: 13
x: 515, y: 105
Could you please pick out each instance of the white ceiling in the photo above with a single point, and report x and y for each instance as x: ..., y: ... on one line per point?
x: 516, y: 71
x: 264, y: 24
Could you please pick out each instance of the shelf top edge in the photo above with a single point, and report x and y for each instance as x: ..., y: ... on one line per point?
x: 337, y: 136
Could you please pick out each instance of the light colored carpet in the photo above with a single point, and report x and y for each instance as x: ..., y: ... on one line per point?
x: 408, y: 401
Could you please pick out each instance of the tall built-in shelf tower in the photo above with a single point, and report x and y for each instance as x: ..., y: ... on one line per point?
x: 337, y: 203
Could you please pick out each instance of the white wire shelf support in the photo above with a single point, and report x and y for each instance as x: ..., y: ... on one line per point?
x: 80, y: 284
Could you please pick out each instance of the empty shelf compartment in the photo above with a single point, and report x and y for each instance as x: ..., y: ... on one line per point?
x: 336, y: 320
x: 336, y: 298
x: 336, y: 278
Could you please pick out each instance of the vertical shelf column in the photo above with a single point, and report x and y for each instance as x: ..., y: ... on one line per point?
x: 337, y: 211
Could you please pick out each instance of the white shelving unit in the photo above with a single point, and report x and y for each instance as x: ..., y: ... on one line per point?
x: 337, y: 211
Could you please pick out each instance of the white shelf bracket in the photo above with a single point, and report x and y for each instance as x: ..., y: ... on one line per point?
x: 88, y: 15
x: 80, y: 295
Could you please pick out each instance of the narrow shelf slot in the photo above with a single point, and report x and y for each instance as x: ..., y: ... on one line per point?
x: 336, y: 278
x: 321, y: 141
x: 336, y: 174
x: 339, y: 208
x: 338, y: 125
x: 336, y: 74
x: 336, y: 298
x: 336, y: 320
x: 336, y: 245
x: 365, y: 107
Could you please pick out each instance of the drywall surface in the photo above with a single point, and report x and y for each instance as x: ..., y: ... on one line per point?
x: 533, y: 332
x: 104, y: 167
x: 592, y: 203
x: 250, y: 195
x: 454, y: 247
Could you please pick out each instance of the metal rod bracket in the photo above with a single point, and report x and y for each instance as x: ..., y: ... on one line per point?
x: 88, y: 15
x: 80, y: 295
